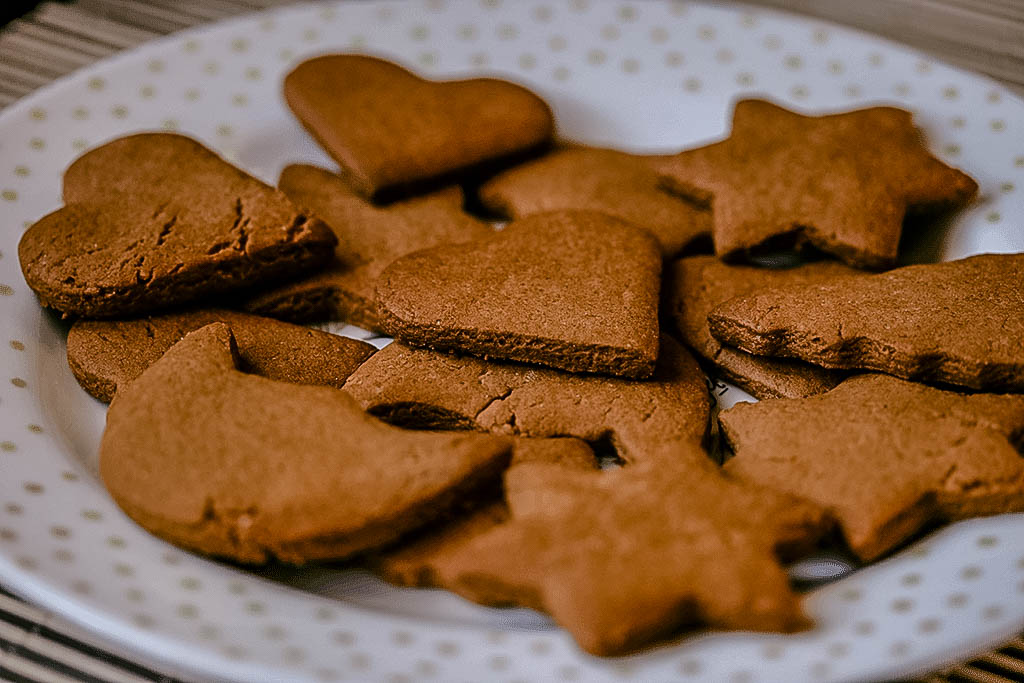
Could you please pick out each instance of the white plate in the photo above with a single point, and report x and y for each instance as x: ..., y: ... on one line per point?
x: 644, y: 75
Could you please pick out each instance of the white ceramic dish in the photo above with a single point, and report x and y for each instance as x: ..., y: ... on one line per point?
x: 640, y: 75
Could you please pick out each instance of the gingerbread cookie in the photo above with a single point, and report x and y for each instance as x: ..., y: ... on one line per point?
x: 958, y: 322
x: 694, y: 286
x: 246, y: 468
x: 157, y: 219
x: 369, y: 238
x: 631, y: 555
x: 388, y: 128
x: 616, y: 183
x: 897, y: 455
x: 650, y: 420
x: 416, y: 561
x: 842, y: 182
x: 107, y: 354
x: 585, y: 302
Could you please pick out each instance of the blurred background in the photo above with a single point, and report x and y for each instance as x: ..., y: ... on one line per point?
x: 42, y: 41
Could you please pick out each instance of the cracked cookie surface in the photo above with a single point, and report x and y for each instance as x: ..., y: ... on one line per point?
x: 156, y: 219
x: 958, y: 322
x: 655, y: 419
x: 885, y: 456
x: 107, y: 354
x: 369, y: 238
x: 841, y: 182
x: 243, y: 467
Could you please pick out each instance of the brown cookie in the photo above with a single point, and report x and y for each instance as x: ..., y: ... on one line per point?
x: 415, y: 562
x: 630, y: 555
x: 842, y: 182
x: 616, y: 183
x: 107, y: 354
x: 694, y: 286
x: 369, y: 238
x: 157, y: 219
x: 243, y: 467
x: 662, y: 418
x: 958, y: 322
x: 387, y: 127
x: 885, y: 456
x: 576, y: 290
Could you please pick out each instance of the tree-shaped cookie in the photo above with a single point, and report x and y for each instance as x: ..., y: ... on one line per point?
x: 959, y: 322
x: 885, y: 456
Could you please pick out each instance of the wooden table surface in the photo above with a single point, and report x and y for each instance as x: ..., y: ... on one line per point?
x: 986, y: 36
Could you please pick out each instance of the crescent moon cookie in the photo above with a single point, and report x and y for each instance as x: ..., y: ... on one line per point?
x: 156, y: 219
x: 958, y: 322
x: 585, y: 302
x: 105, y: 355
x: 369, y: 238
x: 389, y: 129
x: 842, y: 183
x: 897, y: 456
x: 246, y: 468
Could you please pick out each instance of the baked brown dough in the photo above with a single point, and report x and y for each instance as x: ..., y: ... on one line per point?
x: 246, y: 468
x: 840, y: 182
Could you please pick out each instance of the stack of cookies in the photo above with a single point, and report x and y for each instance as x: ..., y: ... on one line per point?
x: 539, y: 434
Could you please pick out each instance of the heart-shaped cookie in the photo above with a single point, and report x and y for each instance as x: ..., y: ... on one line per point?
x: 243, y: 467
x: 575, y: 290
x: 157, y: 219
x: 389, y: 128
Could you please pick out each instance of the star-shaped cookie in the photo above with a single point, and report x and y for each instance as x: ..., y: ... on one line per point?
x: 884, y: 456
x: 622, y: 557
x: 616, y: 183
x: 841, y: 182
